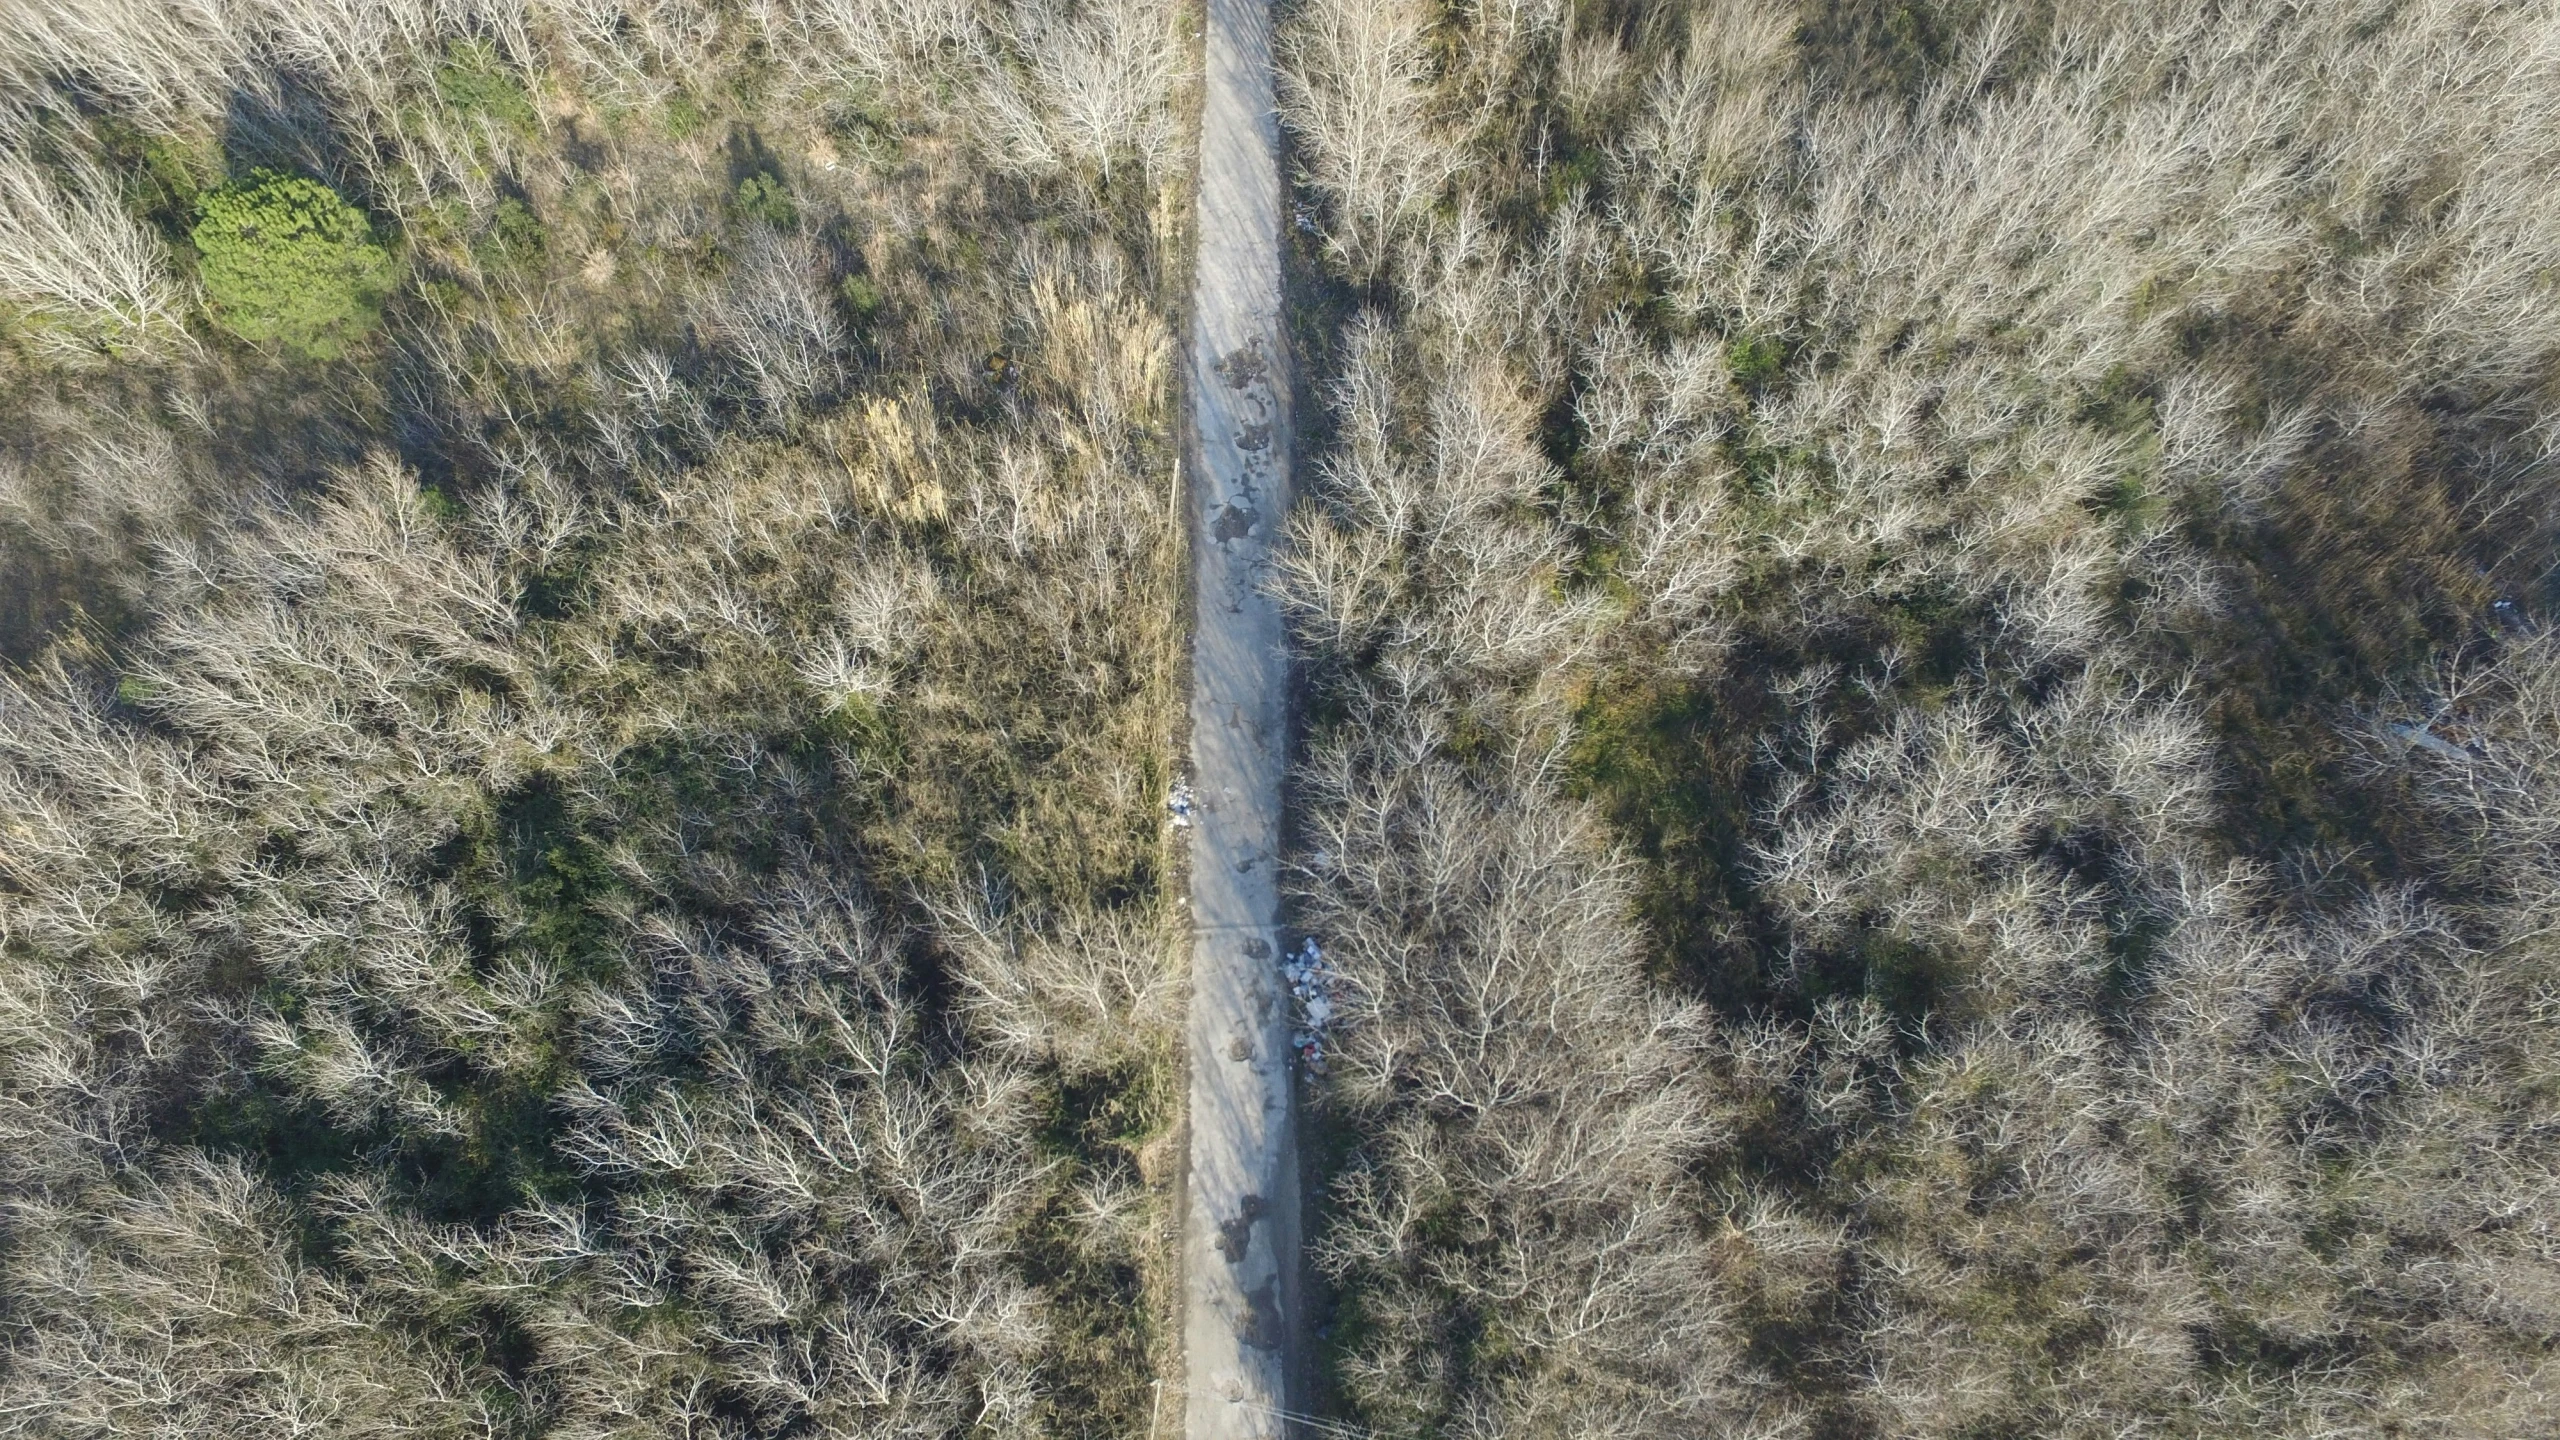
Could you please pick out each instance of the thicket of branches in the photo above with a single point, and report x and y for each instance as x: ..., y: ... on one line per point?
x: 1933, y: 752
x: 592, y: 864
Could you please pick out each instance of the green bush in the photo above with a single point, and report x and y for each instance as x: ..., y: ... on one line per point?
x: 861, y: 297
x: 287, y: 261
x: 1755, y: 360
x: 515, y: 239
x: 762, y: 197
x: 685, y: 116
x: 474, y: 81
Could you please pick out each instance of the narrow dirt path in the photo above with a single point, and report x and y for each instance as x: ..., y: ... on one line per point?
x: 1240, y: 1218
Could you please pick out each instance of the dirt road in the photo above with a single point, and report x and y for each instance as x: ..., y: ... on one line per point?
x: 1240, y: 1232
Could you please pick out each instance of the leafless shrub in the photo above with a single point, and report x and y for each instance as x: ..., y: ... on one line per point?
x: 1515, y: 1081
x: 169, y: 62
x: 890, y: 44
x: 72, y: 257
x: 1092, y: 89
x: 1962, y: 384
x: 774, y: 314
x: 2481, y: 748
x: 589, y: 813
x: 639, y: 51
x: 1093, y: 993
x: 1355, y: 80
x: 181, y: 1306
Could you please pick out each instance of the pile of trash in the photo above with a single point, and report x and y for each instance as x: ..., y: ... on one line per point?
x: 1179, y: 802
x: 1319, y: 989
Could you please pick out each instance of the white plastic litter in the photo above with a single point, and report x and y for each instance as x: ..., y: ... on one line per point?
x: 1319, y: 990
x: 1179, y: 802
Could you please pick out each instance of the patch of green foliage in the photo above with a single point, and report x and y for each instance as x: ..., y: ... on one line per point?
x: 860, y: 296
x: 286, y: 261
x: 515, y: 239
x: 761, y: 197
x: 1755, y: 360
x: 162, y: 174
x: 474, y: 81
x: 1103, y: 1332
x: 529, y: 858
x: 685, y: 116
x: 1574, y: 174
x: 1659, y: 761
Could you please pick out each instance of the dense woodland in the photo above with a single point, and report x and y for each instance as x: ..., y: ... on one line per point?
x: 592, y: 638
x: 1931, y: 715
x: 1933, y: 739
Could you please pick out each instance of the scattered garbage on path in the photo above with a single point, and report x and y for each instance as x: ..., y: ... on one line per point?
x: 1179, y: 802
x: 1319, y: 989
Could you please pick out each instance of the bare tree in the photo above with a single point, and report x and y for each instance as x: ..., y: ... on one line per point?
x: 1897, y: 576
x: 774, y: 313
x: 1355, y: 81
x: 72, y: 256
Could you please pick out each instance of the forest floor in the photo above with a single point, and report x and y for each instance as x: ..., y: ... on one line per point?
x: 1240, y: 1228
